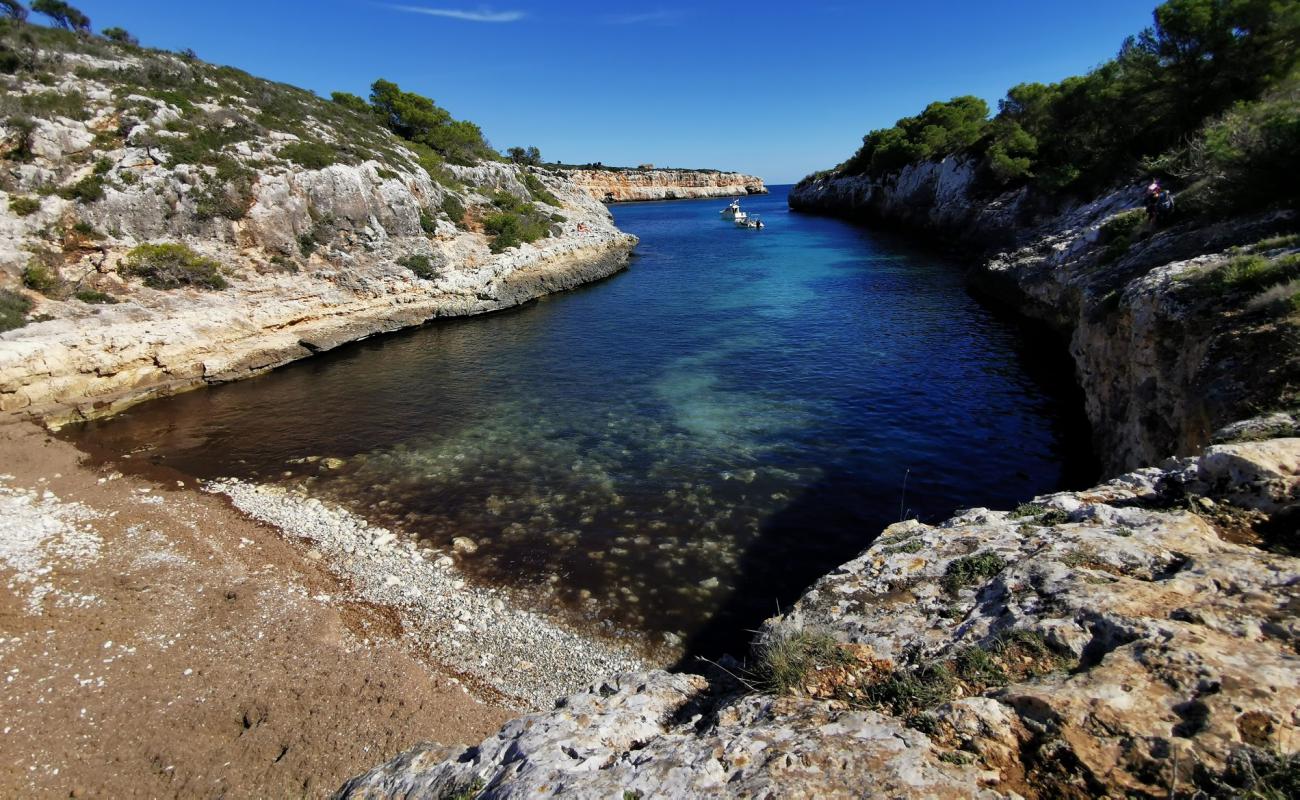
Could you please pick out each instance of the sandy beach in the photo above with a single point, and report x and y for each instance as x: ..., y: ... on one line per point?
x: 155, y: 641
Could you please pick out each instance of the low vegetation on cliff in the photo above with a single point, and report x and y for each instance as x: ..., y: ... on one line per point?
x: 1207, y: 95
x: 106, y: 144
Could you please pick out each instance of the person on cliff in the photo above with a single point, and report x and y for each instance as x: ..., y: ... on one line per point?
x: 1151, y: 200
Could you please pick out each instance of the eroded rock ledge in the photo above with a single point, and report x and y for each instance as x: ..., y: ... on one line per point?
x: 84, y: 360
x: 622, y: 185
x: 1113, y: 641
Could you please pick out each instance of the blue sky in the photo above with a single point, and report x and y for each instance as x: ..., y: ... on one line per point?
x: 775, y: 89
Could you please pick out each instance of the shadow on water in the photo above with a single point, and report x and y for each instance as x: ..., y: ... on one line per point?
x: 794, y: 548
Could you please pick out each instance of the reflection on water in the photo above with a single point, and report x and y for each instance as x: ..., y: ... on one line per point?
x: 676, y: 450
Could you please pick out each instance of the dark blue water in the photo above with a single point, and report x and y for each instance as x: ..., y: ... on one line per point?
x: 678, y: 449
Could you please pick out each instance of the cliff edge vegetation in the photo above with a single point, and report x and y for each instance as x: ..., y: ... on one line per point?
x: 166, y: 223
x: 1206, y: 97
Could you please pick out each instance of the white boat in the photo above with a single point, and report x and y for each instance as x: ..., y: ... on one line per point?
x: 733, y: 211
x: 749, y: 222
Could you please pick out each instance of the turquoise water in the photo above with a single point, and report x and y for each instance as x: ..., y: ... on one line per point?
x: 678, y: 450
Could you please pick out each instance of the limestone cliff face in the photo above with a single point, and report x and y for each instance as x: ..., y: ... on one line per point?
x: 661, y: 184
x: 1162, y: 362
x: 1110, y: 642
x: 935, y: 196
x: 313, y: 256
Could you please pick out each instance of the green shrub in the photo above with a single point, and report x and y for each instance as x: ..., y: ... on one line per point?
x: 1253, y: 273
x: 23, y: 127
x: 351, y: 102
x: 975, y: 666
x: 312, y: 155
x: 1251, y: 153
x: 1119, y: 232
x: 420, y: 120
x: 454, y: 209
x: 87, y: 190
x: 207, y: 136
x: 783, y: 661
x: 421, y: 265
x: 94, y: 297
x: 172, y: 265
x: 906, y: 693
x: 24, y: 206
x: 47, y: 105
x: 121, y: 36
x: 434, y: 165
x: 527, y: 156
x: 40, y: 278
x: 284, y: 263
x: 964, y: 571
x: 13, y: 310
x: 63, y: 15
x: 1045, y: 515
x: 1027, y: 647
x: 539, y: 191
x: 941, y: 129
x: 511, y: 229
x: 228, y: 193
x: 85, y: 230
x: 1028, y: 510
x: 428, y: 223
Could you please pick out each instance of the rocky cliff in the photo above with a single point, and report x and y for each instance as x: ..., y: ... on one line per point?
x: 323, y: 228
x: 1136, y: 639
x: 934, y: 197
x: 1168, y: 345
x: 619, y: 185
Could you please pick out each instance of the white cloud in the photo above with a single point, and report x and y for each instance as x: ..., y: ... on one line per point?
x: 479, y: 15
x: 660, y: 17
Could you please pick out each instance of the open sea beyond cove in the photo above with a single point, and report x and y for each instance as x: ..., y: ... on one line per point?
x: 673, y: 453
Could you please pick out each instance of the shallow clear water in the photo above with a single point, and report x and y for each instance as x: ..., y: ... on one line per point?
x: 679, y: 449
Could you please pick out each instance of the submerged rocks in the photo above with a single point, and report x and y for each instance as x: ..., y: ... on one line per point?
x: 475, y: 631
x: 1108, y: 641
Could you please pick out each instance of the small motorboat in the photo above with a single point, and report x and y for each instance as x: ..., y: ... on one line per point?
x: 749, y: 222
x: 733, y: 211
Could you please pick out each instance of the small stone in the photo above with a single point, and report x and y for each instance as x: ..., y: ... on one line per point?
x: 463, y: 544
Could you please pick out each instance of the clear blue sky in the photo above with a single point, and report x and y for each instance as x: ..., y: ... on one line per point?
x: 775, y: 89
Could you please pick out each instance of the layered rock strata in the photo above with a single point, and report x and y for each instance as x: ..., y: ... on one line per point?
x: 315, y: 260
x: 1109, y: 642
x: 621, y: 185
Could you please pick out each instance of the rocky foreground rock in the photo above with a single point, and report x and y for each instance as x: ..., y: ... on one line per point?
x: 1132, y: 640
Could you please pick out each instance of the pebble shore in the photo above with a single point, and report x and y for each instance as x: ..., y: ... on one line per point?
x: 474, y: 631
